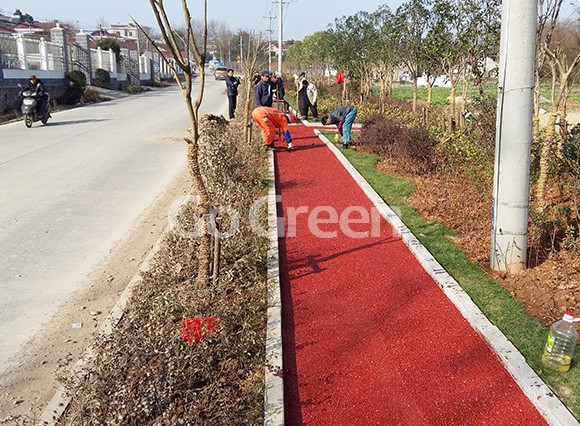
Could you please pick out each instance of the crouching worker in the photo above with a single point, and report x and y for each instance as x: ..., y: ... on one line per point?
x: 268, y: 120
x: 343, y: 117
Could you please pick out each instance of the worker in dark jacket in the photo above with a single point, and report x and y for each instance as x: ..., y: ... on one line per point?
x: 37, y: 87
x: 343, y: 117
x: 264, y: 91
x: 232, y: 84
x: 278, y: 85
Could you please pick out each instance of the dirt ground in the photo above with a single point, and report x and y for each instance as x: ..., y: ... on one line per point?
x: 33, y: 380
x: 546, y: 290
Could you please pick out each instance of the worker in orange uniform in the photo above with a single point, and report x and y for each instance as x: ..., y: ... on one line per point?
x: 268, y: 120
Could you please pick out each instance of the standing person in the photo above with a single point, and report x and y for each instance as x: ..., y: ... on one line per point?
x: 232, y: 84
x: 268, y: 120
x: 298, y: 80
x: 307, y: 98
x: 280, y: 91
x: 312, y: 93
x: 264, y: 91
x: 279, y: 84
x: 256, y: 78
x: 343, y: 117
x: 303, y: 101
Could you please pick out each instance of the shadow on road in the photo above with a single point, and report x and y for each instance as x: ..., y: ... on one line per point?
x: 66, y: 123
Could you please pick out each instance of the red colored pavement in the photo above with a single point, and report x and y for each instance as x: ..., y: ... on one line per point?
x: 368, y: 337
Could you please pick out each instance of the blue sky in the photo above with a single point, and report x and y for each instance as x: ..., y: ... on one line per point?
x: 301, y: 17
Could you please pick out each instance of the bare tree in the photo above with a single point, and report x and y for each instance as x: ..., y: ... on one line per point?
x: 219, y: 36
x: 411, y: 25
x: 555, y: 54
x: 197, y: 49
x: 249, y: 61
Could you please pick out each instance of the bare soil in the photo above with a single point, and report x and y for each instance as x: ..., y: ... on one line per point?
x: 547, y: 290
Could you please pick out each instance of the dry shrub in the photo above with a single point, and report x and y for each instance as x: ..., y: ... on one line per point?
x: 134, y: 89
x: 390, y: 139
x: 91, y: 96
x: 231, y: 167
x: 145, y: 373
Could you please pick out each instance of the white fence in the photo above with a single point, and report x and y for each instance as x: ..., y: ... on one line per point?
x: 28, y: 54
x: 21, y: 53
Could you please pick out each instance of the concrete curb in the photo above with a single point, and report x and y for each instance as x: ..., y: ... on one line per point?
x: 109, y: 93
x: 274, y: 390
x: 555, y: 413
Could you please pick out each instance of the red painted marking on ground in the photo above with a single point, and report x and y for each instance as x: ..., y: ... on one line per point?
x: 369, y: 337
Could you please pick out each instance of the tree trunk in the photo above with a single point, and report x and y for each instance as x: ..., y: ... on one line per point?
x: 536, y: 116
x: 383, y: 95
x: 204, y: 251
x: 414, y: 95
x: 248, y: 104
x: 187, y: 66
x: 452, y: 103
x: 545, y: 155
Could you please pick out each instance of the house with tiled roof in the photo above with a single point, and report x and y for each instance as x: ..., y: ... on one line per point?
x: 124, y: 31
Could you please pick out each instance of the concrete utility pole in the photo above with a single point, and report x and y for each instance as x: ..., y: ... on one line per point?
x: 509, y: 222
x: 270, y: 31
x: 279, y: 37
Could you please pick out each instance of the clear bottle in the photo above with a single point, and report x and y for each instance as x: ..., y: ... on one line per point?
x: 561, y: 344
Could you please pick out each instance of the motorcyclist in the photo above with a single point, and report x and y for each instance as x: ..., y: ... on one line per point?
x: 36, y: 86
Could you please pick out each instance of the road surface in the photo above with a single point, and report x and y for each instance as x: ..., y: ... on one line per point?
x: 71, y: 191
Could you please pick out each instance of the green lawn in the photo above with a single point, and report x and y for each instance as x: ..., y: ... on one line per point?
x: 440, y: 94
x: 527, y: 334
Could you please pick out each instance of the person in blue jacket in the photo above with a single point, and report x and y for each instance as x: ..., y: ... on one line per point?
x: 343, y: 117
x: 232, y: 84
x: 264, y: 91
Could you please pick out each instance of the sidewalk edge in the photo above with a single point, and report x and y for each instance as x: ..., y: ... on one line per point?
x: 56, y: 407
x: 553, y: 410
x: 274, y: 389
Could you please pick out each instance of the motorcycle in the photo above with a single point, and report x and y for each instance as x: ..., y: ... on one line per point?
x: 29, y: 107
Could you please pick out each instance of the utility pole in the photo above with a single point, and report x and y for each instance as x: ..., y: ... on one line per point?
x: 279, y: 37
x: 270, y: 31
x: 511, y: 183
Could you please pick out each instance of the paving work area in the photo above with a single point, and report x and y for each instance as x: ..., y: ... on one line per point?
x: 374, y: 331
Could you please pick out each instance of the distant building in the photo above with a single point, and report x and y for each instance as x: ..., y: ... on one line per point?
x: 18, y: 17
x: 24, y: 24
x: 126, y: 31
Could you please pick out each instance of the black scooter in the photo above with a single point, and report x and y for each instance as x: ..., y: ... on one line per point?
x: 29, y: 107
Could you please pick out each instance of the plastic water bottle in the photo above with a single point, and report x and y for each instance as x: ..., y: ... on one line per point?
x: 561, y: 344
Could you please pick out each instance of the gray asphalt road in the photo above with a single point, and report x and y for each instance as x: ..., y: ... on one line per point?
x: 73, y: 188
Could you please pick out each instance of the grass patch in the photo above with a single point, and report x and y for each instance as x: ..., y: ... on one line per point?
x: 440, y: 94
x: 508, y: 314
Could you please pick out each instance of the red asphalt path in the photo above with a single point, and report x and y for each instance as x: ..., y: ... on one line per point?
x: 368, y: 337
